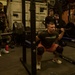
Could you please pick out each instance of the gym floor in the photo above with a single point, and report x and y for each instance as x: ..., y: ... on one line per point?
x: 10, y: 63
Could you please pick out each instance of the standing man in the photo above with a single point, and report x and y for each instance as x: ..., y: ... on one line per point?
x: 2, y: 29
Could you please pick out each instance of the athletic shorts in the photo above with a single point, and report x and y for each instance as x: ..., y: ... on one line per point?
x: 51, y: 49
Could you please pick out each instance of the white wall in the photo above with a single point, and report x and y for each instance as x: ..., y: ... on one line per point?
x: 4, y: 2
x: 16, y: 7
x: 40, y: 15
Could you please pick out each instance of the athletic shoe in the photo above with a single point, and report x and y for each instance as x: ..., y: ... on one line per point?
x: 4, y: 51
x: 0, y: 55
x: 57, y: 61
x: 38, y: 66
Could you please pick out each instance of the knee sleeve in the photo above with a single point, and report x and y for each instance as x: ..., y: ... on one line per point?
x: 59, y: 49
x: 40, y: 50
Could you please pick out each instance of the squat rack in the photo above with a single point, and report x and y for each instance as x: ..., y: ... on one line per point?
x: 33, y: 35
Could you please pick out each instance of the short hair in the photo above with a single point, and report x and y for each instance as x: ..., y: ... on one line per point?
x: 49, y: 20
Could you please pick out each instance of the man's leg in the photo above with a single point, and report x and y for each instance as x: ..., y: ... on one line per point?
x: 59, y: 50
x: 40, y: 51
x: 55, y: 48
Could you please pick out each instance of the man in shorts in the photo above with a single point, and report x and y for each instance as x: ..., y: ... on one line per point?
x: 48, y: 41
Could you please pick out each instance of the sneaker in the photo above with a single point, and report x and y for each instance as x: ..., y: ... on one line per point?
x: 38, y: 66
x: 0, y: 55
x: 4, y: 51
x: 57, y: 61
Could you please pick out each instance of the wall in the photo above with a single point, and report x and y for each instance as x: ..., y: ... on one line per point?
x: 4, y: 2
x: 15, y: 7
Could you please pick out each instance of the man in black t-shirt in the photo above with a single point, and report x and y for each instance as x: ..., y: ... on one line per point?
x: 47, y: 39
x: 48, y: 42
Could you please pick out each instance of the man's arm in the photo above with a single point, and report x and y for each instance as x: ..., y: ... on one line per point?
x: 61, y: 34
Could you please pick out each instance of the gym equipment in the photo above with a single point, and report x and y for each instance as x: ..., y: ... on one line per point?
x: 33, y: 34
x: 31, y: 71
x: 60, y: 55
x: 27, y: 43
x: 66, y: 58
x: 4, y: 34
x: 69, y: 39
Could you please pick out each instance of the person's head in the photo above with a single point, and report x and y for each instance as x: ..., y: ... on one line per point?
x: 51, y: 27
x: 56, y: 16
x: 1, y: 6
x: 50, y: 24
x: 74, y: 16
x: 51, y: 12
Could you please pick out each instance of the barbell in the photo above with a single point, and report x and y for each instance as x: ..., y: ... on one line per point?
x: 67, y: 27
